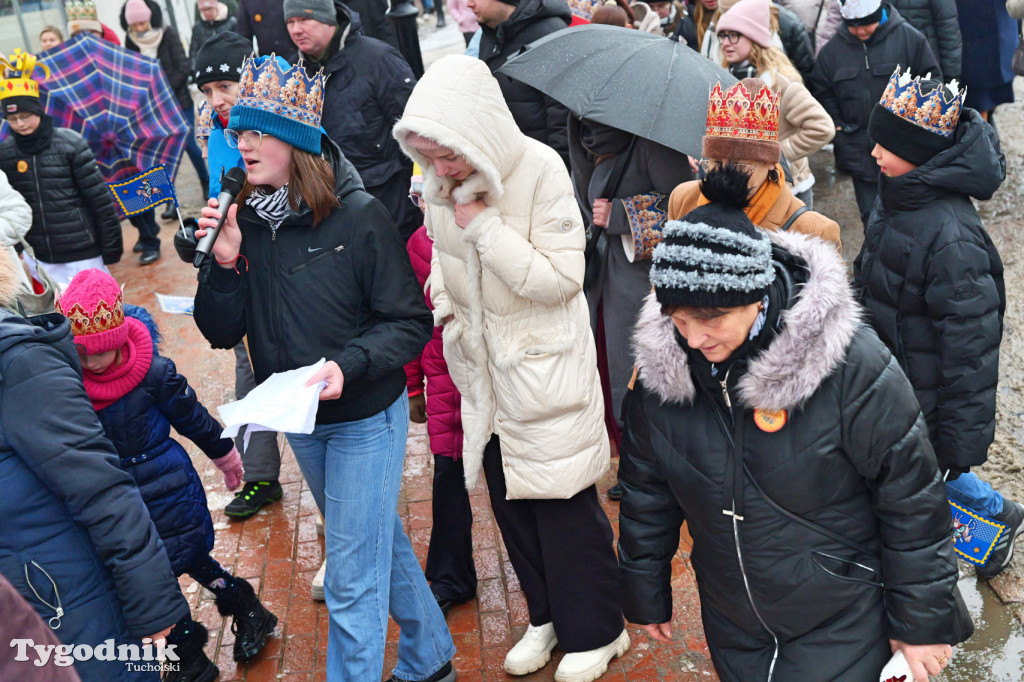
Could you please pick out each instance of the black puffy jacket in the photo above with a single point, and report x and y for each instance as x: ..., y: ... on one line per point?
x: 536, y: 114
x: 204, y: 30
x: 343, y: 290
x: 796, y: 41
x: 850, y: 77
x: 932, y: 282
x: 73, y: 214
x: 937, y: 20
x: 368, y: 84
x: 171, y: 55
x: 849, y: 454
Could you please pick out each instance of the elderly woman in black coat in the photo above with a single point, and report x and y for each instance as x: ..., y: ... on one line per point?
x: 777, y: 425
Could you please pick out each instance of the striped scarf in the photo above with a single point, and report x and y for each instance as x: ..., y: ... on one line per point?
x: 273, y: 207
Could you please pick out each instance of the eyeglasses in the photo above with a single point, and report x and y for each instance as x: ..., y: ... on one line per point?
x: 707, y: 165
x: 415, y: 199
x: 729, y: 36
x: 253, y: 138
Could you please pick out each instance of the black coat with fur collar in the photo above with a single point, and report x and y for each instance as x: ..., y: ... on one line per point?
x: 852, y: 457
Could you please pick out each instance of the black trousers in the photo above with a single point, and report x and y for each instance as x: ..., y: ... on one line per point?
x: 394, y: 194
x: 562, y: 553
x: 865, y: 192
x: 450, y: 568
x: 149, y: 231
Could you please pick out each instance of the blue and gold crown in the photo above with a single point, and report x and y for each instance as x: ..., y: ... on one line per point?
x: 204, y: 122
x: 933, y: 111
x: 281, y: 101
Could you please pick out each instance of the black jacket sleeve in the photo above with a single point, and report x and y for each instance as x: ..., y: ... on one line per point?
x: 796, y: 41
x: 885, y: 437
x: 177, y: 401
x: 925, y: 61
x: 649, y: 520
x: 963, y: 304
x: 820, y: 84
x: 90, y: 184
x: 177, y: 67
x: 947, y: 30
x: 403, y: 321
x: 62, y: 440
x: 220, y: 305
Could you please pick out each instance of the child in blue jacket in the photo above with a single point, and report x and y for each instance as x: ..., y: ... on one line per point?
x: 138, y: 396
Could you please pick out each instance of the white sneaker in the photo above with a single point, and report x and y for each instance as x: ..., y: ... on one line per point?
x: 316, y: 590
x: 586, y: 666
x: 532, y: 651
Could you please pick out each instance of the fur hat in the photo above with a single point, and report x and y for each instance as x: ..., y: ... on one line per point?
x: 916, y: 119
x: 137, y: 11
x: 743, y: 123
x: 317, y: 10
x: 714, y: 257
x: 93, y: 304
x: 861, y: 12
x: 751, y: 18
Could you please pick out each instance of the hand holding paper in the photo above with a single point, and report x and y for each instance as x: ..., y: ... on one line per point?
x: 331, y: 374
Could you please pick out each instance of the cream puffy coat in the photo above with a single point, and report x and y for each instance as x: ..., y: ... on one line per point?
x: 519, y: 347
x: 804, y: 127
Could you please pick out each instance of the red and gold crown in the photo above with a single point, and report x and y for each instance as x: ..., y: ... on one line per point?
x: 743, y: 122
x: 17, y: 81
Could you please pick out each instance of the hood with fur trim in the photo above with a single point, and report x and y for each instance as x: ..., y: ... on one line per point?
x: 10, y: 282
x: 458, y: 104
x: 816, y: 331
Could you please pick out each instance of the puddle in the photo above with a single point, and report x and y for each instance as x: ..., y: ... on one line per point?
x: 996, y: 651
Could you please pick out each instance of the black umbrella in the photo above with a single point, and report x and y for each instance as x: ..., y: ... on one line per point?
x: 648, y: 85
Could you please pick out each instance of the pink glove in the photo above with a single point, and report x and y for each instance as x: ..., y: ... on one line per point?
x: 231, y: 465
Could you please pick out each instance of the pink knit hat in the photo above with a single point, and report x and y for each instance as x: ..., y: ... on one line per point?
x: 751, y: 18
x: 137, y: 11
x: 92, y: 303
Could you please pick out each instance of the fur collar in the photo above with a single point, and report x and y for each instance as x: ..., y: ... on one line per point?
x: 816, y: 332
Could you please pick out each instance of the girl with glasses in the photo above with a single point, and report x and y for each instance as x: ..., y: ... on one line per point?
x: 804, y: 125
x: 310, y: 266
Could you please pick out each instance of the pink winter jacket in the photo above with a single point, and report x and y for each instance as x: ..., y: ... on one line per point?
x: 463, y: 16
x: 444, y: 404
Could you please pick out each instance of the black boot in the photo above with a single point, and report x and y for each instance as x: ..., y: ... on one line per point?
x: 192, y: 664
x: 252, y: 623
x: 170, y: 211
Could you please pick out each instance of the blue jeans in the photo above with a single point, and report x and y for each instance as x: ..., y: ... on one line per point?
x: 354, y: 470
x: 976, y: 494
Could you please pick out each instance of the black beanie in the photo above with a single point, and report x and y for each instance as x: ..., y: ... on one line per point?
x: 893, y: 122
x: 22, y: 104
x: 220, y: 58
x: 714, y: 257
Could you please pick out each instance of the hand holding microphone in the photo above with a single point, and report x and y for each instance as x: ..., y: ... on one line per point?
x: 218, y: 218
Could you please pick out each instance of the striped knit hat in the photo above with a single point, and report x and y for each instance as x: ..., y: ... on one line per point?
x: 714, y: 257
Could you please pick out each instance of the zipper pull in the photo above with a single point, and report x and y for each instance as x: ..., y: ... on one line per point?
x: 339, y: 248
x: 867, y: 65
x: 273, y: 234
x: 725, y: 392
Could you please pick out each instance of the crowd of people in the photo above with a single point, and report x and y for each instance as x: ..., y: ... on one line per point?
x: 546, y: 292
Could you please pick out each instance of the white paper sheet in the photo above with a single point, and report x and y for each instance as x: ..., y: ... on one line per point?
x: 897, y: 669
x: 281, y: 403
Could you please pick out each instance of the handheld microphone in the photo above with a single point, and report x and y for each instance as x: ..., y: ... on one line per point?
x: 230, y: 185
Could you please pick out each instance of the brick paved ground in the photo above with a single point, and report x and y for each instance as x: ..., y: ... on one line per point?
x: 279, y: 551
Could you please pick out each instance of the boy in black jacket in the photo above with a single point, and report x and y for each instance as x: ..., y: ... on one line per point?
x: 850, y: 74
x: 932, y: 280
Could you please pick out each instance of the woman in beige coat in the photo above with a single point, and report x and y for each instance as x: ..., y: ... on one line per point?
x: 804, y: 126
x: 506, y: 280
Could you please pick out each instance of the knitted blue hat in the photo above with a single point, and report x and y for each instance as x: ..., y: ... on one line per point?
x: 284, y: 103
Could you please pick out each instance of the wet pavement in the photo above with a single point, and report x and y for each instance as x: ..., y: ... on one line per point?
x: 279, y: 550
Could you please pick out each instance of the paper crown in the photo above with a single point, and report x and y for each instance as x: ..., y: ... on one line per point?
x: 933, y: 111
x: 18, y: 70
x: 81, y: 10
x: 264, y: 85
x: 740, y: 116
x: 104, y: 317
x: 858, y: 9
x: 204, y: 122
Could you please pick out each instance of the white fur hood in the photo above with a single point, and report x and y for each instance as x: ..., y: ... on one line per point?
x: 816, y: 333
x: 458, y: 103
